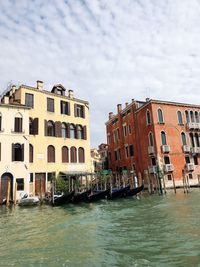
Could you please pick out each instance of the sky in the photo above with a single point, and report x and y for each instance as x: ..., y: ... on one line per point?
x: 107, y: 51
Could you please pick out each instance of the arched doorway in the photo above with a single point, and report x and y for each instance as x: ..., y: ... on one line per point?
x: 4, y: 186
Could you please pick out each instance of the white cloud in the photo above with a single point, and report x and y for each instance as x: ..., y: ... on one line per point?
x: 108, y: 52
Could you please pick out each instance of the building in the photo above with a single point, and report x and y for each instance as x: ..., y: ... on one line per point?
x: 96, y: 163
x: 103, y: 152
x: 14, y: 147
x: 59, y: 138
x: 156, y: 138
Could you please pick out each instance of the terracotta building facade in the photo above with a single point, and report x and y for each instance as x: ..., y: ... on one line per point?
x: 158, y: 139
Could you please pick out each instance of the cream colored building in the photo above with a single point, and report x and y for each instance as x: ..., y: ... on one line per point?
x: 96, y: 163
x: 59, y: 137
x: 14, y: 147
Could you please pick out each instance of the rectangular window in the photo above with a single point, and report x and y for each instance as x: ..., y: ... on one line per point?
x: 131, y: 150
x: 29, y: 100
x: 108, y: 139
x: 115, y: 135
x: 153, y: 161
x: 18, y: 125
x: 169, y: 177
x: 31, y: 178
x: 65, y: 107
x: 187, y: 159
x: 50, y: 104
x: 190, y: 176
x: 118, y: 135
x: 115, y: 154
x: 20, y: 184
x: 119, y: 154
x: 129, y: 129
x: 125, y: 130
x: 195, y: 160
x: 50, y: 176
x: 126, y: 151
x: 79, y: 111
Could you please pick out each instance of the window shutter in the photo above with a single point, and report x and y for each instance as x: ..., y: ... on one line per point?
x: 68, y: 130
x: 83, y: 111
x: 22, y: 155
x: 45, y: 127
x: 76, y: 131
x: 75, y: 110
x: 85, y: 133
x: 35, y: 126
x: 13, y: 152
x: 61, y: 107
x: 68, y: 109
x: 58, y: 127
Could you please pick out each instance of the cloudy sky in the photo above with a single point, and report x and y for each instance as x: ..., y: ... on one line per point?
x: 108, y: 52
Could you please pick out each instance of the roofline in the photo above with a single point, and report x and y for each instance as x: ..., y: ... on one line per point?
x: 14, y: 106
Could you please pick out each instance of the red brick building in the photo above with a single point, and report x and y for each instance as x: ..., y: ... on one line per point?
x: 145, y: 135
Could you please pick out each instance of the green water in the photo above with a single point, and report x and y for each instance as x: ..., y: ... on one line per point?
x: 150, y: 231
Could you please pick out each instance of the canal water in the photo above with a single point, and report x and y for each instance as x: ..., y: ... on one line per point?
x: 148, y: 231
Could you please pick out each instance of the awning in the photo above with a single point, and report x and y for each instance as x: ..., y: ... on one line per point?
x: 75, y: 173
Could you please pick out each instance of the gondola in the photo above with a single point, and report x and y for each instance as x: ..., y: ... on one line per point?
x: 81, y: 197
x: 98, y: 195
x: 134, y: 191
x: 60, y: 199
x: 118, y: 193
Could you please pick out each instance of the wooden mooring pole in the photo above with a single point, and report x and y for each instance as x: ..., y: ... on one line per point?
x: 8, y: 194
x: 15, y: 194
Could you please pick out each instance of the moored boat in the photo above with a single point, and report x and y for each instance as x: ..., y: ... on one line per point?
x: 62, y: 199
x: 98, y: 195
x: 29, y: 201
x: 119, y: 193
x: 134, y: 191
x: 81, y: 197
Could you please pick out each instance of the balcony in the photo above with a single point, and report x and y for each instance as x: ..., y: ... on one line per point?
x: 193, y: 125
x: 168, y: 168
x: 165, y: 149
x: 151, y: 150
x: 189, y: 167
x: 195, y: 150
x: 152, y: 169
x: 186, y: 149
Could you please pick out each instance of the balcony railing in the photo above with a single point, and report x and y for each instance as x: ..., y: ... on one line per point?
x: 168, y: 167
x: 195, y: 150
x: 193, y: 125
x: 189, y: 167
x: 151, y: 150
x: 165, y: 148
x: 186, y: 148
x: 152, y: 169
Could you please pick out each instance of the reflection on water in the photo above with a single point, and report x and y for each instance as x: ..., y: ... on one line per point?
x: 150, y: 231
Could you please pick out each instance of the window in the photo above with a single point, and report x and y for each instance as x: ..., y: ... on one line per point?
x: 131, y: 149
x: 118, y: 135
x: 108, y: 139
x: 115, y: 154
x: 183, y: 138
x: 17, y: 152
x: 153, y: 161
x: 192, y: 116
x: 115, y: 135
x: 64, y: 130
x: 79, y: 111
x: 50, y: 154
x: 30, y: 126
x: 50, y: 104
x: 129, y: 129
x: 50, y: 128
x: 126, y: 151
x: 148, y: 117
x: 192, y: 140
x: 72, y: 131
x: 196, y: 136
x: 196, y: 116
x: 119, y: 154
x: 190, y: 176
x: 20, y: 184
x: 180, y: 119
x: 187, y: 159
x: 151, y: 139
x: 160, y: 116
x: 0, y: 151
x: 0, y: 122
x: 65, y: 154
x: 166, y: 160
x: 65, y: 107
x: 125, y: 130
x: 169, y: 177
x: 29, y: 100
x: 79, y: 130
x: 73, y: 154
x: 163, y: 138
x: 195, y: 160
x: 187, y: 116
x: 33, y: 126
x: 18, y: 125
x: 31, y: 178
x: 81, y: 155
x: 30, y: 153
x: 50, y: 176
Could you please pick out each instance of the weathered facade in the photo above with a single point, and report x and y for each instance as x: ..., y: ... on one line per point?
x: 145, y: 135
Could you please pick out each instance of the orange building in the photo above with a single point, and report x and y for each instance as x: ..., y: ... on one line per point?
x: 158, y: 139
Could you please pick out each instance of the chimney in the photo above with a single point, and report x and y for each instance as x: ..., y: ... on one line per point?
x: 5, y: 100
x: 70, y: 93
x: 126, y: 104
x: 119, y: 108
x: 13, y: 89
x: 110, y: 115
x: 40, y: 85
x: 147, y: 99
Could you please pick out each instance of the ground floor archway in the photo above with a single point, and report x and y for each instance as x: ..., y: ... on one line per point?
x: 5, y: 177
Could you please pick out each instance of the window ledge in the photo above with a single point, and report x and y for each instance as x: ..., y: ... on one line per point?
x: 22, y: 132
x: 161, y: 122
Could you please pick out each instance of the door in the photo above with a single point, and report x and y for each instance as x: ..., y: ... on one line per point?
x: 40, y: 183
x: 4, y: 186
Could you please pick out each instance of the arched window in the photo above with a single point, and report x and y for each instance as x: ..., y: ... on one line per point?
x: 192, y: 116
x: 73, y: 154
x: 30, y: 153
x: 192, y: 140
x: 151, y: 139
x: 148, y: 117
x: 196, y: 136
x: 183, y: 138
x: 30, y: 126
x: 81, y: 155
x: 160, y: 116
x: 187, y: 116
x: 17, y: 152
x: 64, y: 130
x: 79, y: 129
x: 18, y: 123
x: 196, y: 116
x: 50, y: 128
x: 180, y: 119
x: 163, y: 138
x: 65, y: 154
x: 72, y: 131
x: 51, y: 153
